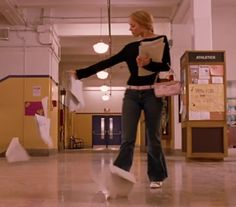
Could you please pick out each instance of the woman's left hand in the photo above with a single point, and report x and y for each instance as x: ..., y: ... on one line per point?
x: 142, y: 60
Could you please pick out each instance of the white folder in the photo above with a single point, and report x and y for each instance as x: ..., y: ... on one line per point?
x: 154, y: 50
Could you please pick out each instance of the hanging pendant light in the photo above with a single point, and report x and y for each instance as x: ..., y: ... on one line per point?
x: 104, y: 88
x: 100, y: 47
x: 102, y: 74
x: 105, y: 97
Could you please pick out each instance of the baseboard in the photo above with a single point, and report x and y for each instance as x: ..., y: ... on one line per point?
x: 174, y: 152
x: 37, y: 152
x: 42, y: 152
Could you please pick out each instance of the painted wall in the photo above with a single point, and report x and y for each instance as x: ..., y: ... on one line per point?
x: 82, y: 128
x: 16, y: 93
x: 28, y: 60
x: 224, y: 33
x: 180, y: 32
x: 11, y: 111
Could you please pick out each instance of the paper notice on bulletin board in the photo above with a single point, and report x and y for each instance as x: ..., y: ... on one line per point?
x: 206, y: 97
x: 199, y: 115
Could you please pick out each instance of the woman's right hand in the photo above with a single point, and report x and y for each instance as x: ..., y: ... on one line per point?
x: 72, y: 72
x: 142, y: 60
x: 78, y: 73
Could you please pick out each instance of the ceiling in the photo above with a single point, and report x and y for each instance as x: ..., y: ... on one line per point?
x: 69, y: 16
x: 78, y: 24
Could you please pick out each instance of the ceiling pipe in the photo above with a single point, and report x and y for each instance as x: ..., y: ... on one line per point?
x: 12, y: 13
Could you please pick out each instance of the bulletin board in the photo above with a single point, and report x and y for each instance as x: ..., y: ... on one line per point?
x: 203, y: 104
x: 203, y: 77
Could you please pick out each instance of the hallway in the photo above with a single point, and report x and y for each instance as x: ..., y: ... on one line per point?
x: 65, y: 180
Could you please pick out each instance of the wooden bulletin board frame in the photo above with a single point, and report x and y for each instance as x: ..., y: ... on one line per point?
x: 203, y: 102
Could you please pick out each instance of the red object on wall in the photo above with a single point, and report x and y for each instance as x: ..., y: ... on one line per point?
x: 33, y: 107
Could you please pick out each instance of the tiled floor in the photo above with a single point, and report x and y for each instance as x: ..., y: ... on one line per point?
x: 66, y: 180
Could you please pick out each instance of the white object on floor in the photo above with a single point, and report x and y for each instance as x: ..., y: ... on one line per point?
x: 15, y: 152
x: 115, y: 182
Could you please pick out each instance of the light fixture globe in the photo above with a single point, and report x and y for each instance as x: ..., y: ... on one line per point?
x: 104, y: 88
x: 105, y: 97
x: 102, y: 74
x: 100, y: 47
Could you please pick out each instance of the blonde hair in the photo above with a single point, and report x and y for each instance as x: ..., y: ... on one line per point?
x: 143, y: 18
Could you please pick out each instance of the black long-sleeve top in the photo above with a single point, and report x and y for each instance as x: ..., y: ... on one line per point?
x: 129, y: 54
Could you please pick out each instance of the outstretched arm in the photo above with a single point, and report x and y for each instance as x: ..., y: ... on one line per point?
x: 93, y: 69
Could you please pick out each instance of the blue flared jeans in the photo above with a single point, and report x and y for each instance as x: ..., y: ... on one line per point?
x: 133, y: 103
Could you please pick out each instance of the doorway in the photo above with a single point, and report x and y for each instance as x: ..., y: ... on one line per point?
x: 106, y: 130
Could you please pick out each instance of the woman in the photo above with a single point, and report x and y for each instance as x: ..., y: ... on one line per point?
x: 139, y: 96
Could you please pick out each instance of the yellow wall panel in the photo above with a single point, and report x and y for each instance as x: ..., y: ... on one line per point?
x: 14, y: 93
x: 82, y: 128
x: 11, y: 111
x: 46, y: 85
x: 32, y: 139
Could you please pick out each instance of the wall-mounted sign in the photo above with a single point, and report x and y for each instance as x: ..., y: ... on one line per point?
x: 36, y: 90
x: 206, y: 57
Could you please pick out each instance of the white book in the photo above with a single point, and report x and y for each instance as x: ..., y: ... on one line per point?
x: 154, y: 50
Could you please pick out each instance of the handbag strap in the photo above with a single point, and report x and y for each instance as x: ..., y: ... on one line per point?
x: 170, y: 71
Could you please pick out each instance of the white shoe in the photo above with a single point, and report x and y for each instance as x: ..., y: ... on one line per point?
x: 155, y: 184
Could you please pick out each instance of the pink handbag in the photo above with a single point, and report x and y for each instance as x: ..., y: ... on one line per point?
x: 169, y: 87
